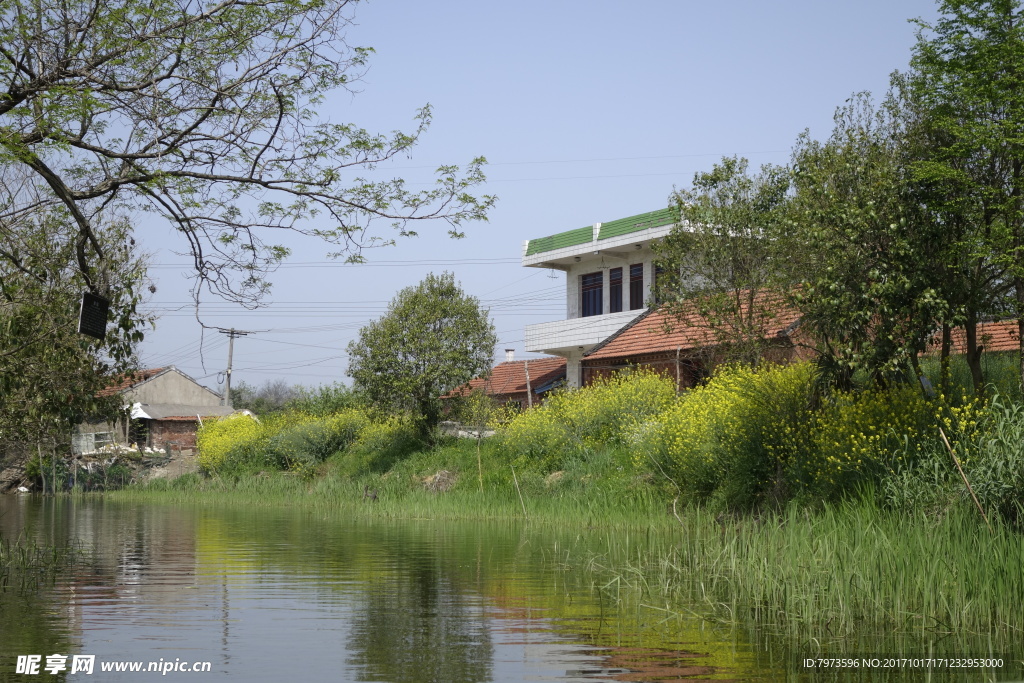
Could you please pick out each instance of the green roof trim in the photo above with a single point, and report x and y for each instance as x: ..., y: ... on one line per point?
x: 624, y: 226
x: 617, y: 228
x: 569, y: 238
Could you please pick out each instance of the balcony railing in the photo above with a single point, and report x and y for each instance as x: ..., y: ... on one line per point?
x: 564, y: 335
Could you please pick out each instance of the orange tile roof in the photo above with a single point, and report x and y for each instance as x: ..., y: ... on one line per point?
x: 995, y: 336
x: 657, y: 331
x: 510, y: 377
x: 127, y: 381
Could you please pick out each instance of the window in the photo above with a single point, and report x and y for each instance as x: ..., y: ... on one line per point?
x: 615, y: 289
x: 592, y: 301
x: 658, y: 270
x: 636, y: 286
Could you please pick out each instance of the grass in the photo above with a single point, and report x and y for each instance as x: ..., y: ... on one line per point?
x: 403, y: 498
x: 835, y: 573
x: 25, y: 564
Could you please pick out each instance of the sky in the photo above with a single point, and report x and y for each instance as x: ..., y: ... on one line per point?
x: 586, y: 112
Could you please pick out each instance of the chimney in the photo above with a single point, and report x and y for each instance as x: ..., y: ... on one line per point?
x: 510, y: 355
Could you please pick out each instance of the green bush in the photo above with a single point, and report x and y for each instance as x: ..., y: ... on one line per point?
x: 989, y: 442
x: 309, y: 441
x: 326, y: 400
x: 995, y: 460
x: 577, y: 423
x: 735, y: 438
x: 383, y: 444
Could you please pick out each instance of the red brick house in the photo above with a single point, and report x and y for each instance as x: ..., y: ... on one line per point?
x: 687, y: 348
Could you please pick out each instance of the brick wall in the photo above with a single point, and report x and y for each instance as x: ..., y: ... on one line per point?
x: 182, y: 432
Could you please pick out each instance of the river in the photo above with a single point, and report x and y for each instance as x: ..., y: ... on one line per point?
x: 269, y: 594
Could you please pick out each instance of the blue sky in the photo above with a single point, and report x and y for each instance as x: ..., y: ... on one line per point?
x: 586, y: 112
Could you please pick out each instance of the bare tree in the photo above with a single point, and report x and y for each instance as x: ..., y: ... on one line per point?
x: 205, y: 113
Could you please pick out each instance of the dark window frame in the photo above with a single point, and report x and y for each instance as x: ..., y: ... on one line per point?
x: 636, y: 286
x: 591, y: 294
x: 615, y: 290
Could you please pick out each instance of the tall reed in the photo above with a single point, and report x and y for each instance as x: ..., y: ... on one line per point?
x: 836, y: 572
x: 25, y: 563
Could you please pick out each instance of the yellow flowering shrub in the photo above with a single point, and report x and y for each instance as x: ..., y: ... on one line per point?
x: 736, y: 436
x: 576, y: 422
x: 281, y: 441
x: 986, y: 438
x: 216, y: 438
x: 866, y: 435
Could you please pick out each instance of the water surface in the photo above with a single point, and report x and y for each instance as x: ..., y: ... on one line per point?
x: 280, y: 594
x: 271, y: 594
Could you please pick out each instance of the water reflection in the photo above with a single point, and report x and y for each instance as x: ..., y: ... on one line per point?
x: 263, y: 595
x: 269, y: 595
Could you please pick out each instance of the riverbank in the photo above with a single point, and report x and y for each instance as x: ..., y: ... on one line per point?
x: 827, y: 573
x: 750, y: 495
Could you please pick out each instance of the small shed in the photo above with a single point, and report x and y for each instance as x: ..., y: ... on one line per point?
x: 163, y: 407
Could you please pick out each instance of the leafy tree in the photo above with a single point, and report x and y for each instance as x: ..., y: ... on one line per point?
x: 49, y: 373
x: 433, y: 338
x: 272, y: 396
x: 967, y: 72
x: 326, y: 399
x: 723, y: 256
x: 204, y: 114
x: 865, y: 250
x: 278, y: 395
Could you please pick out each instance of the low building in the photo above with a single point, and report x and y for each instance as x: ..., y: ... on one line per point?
x: 522, y: 382
x: 163, y: 407
x: 687, y: 347
x: 997, y: 336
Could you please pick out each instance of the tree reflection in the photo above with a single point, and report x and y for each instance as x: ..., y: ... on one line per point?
x: 29, y: 625
x: 415, y: 625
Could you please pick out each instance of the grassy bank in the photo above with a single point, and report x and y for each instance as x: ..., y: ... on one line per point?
x: 829, y: 574
x: 441, y: 483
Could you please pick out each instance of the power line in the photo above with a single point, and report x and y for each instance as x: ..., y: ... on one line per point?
x: 602, y: 159
x: 371, y: 264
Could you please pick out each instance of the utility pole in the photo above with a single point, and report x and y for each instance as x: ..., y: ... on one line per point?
x: 529, y: 390
x: 232, y: 333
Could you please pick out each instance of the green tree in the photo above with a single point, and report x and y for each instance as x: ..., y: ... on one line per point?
x: 272, y: 396
x: 325, y: 399
x: 722, y: 259
x: 433, y: 339
x: 49, y: 373
x: 205, y: 114
x: 867, y: 254
x: 967, y: 72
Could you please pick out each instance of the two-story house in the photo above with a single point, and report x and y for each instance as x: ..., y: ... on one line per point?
x: 609, y: 274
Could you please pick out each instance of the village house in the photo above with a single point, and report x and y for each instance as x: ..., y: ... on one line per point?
x: 609, y: 274
x: 608, y: 326
x: 686, y: 347
x: 163, y: 408
x: 521, y: 383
